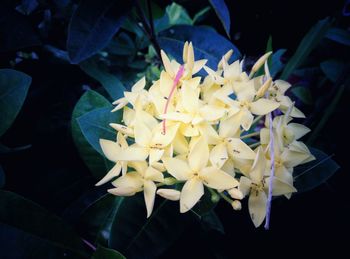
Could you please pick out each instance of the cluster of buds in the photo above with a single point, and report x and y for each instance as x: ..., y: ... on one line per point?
x: 187, y: 133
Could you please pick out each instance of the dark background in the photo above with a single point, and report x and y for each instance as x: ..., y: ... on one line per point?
x: 308, y: 223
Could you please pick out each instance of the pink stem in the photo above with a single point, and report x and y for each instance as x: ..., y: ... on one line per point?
x: 89, y: 244
x: 175, y: 82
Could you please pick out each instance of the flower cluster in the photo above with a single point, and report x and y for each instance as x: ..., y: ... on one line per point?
x: 187, y: 133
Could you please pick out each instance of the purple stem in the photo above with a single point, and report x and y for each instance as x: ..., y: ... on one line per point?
x: 272, y: 155
x: 89, y: 244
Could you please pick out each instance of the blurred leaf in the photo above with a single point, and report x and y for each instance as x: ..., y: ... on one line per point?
x: 326, y: 115
x: 339, y: 35
x: 92, y: 26
x: 314, y: 173
x: 205, y: 204
x: 2, y: 177
x: 269, y: 48
x: 139, y: 237
x: 177, y: 15
x: 333, y: 69
x: 223, y: 13
x: 95, y: 125
x: 207, y: 43
x: 29, y: 217
x: 7, y: 150
x: 96, y: 220
x: 122, y: 45
x: 111, y: 83
x: 157, y: 11
x: 302, y: 93
x: 308, y: 43
x: 27, y: 6
x: 16, y: 31
x: 13, y: 91
x: 277, y: 65
x: 210, y: 221
x: 200, y: 16
x: 107, y: 253
x: 88, y: 101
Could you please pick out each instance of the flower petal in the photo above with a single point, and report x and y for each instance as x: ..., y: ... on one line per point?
x: 155, y: 154
x: 198, y: 65
x: 280, y: 187
x: 218, y: 155
x: 114, y: 172
x: 244, y: 185
x: 257, y: 207
x: 177, y: 168
x: 133, y: 154
x: 166, y: 63
x: 199, y: 155
x: 149, y: 193
x: 263, y: 106
x: 191, y: 192
x: 110, y: 149
x: 258, y: 169
x: 139, y: 85
x: 153, y: 175
x: 130, y: 180
x: 169, y: 194
x: 239, y: 149
x: 217, y: 179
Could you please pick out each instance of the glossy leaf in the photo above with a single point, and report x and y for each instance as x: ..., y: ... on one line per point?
x: 308, y: 43
x: 303, y: 94
x: 89, y: 101
x: 314, y: 173
x: 95, y: 125
x: 223, y: 13
x: 29, y: 217
x: 200, y: 16
x: 138, y: 237
x: 333, y: 69
x: 210, y: 221
x: 207, y: 43
x: 122, y: 45
x: 92, y: 26
x: 339, y: 35
x: 277, y: 64
x: 107, y: 253
x: 111, y: 83
x: 14, y: 86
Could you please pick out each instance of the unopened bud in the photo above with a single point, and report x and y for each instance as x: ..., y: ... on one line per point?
x: 215, y: 197
x: 170, y: 194
x: 262, y: 90
x: 235, y: 194
x: 260, y: 62
x: 236, y: 205
x: 123, y: 129
x: 169, y: 181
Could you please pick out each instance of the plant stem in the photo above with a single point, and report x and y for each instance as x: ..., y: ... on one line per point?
x: 225, y: 198
x: 250, y: 135
x: 254, y: 145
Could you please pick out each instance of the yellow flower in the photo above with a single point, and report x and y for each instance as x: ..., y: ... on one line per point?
x: 196, y: 173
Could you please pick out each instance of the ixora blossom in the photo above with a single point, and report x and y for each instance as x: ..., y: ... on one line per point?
x: 187, y: 133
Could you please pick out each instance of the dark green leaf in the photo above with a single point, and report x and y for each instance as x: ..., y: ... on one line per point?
x: 111, y: 83
x: 177, y: 15
x: 205, y: 205
x: 261, y: 70
x: 138, y: 237
x: 107, y: 253
x: 93, y: 25
x: 339, y: 35
x: 7, y: 150
x: 222, y: 12
x: 315, y: 173
x: 210, y: 221
x: 97, y: 219
x: 277, y: 65
x: 2, y: 177
x: 303, y: 93
x: 95, y: 125
x: 95, y: 162
x: 29, y: 217
x: 333, y: 69
x: 200, y: 16
x: 308, y: 43
x: 122, y: 45
x: 13, y: 91
x: 207, y: 43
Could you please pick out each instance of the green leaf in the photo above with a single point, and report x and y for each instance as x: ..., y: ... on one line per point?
x: 92, y: 26
x: 88, y: 101
x: 107, y: 253
x: 200, y: 16
x: 122, y: 45
x: 207, y: 43
x: 277, y: 65
x: 333, y: 69
x: 308, y: 43
x: 95, y: 125
x: 314, y: 173
x: 2, y: 177
x: 29, y: 217
x: 210, y: 221
x: 223, y: 13
x: 13, y: 91
x: 138, y: 237
x: 111, y: 83
x: 303, y: 93
x: 339, y: 35
x: 177, y: 15
x: 96, y: 220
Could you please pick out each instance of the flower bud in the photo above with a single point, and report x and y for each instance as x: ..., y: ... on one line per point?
x: 123, y: 129
x: 236, y: 205
x: 169, y: 181
x: 215, y: 197
x: 236, y: 194
x: 262, y: 90
x: 260, y: 62
x: 170, y: 194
